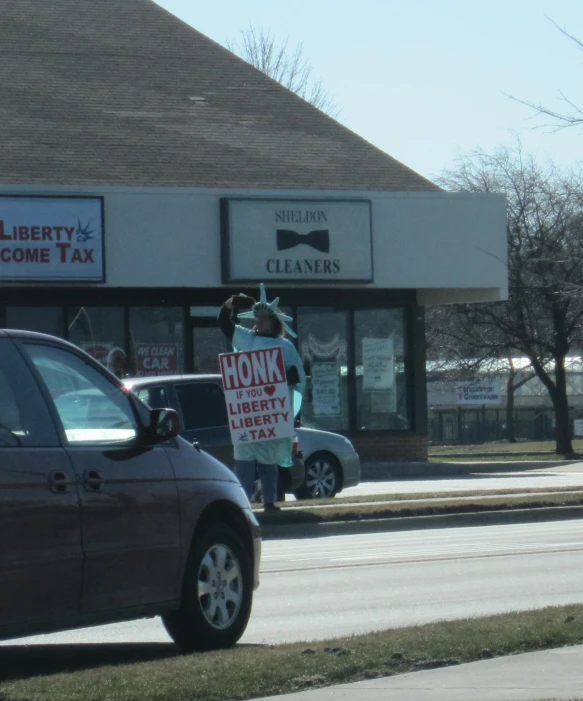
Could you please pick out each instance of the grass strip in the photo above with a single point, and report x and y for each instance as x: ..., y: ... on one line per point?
x: 400, y: 509
x: 247, y: 672
x: 531, y: 447
x: 491, y: 458
x: 408, y: 496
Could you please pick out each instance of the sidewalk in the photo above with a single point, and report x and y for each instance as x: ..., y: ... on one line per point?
x: 381, y: 470
x: 549, y: 674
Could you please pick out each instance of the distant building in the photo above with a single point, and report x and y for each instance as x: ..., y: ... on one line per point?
x: 474, y: 411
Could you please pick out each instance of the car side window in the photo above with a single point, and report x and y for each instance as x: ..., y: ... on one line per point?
x: 154, y: 397
x: 25, y: 420
x: 91, y: 408
x: 202, y: 405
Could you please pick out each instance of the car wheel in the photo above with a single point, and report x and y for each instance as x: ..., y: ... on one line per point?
x: 217, y: 592
x: 322, y: 480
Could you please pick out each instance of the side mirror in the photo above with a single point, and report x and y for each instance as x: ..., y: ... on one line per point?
x: 164, y: 425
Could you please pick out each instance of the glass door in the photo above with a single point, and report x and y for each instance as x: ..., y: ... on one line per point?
x: 207, y: 342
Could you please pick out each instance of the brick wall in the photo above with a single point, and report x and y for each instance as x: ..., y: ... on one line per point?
x: 389, y: 446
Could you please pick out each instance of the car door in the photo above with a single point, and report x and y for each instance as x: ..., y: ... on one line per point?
x: 130, y: 513
x: 204, y: 417
x: 41, y: 558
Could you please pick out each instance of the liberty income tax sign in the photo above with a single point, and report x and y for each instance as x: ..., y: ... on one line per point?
x: 51, y: 238
x: 296, y: 240
x: 257, y: 395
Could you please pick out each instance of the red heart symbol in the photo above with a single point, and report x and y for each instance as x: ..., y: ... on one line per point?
x: 270, y: 390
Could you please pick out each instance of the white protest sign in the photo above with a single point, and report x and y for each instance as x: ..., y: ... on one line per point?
x: 326, y: 394
x: 377, y: 364
x: 257, y: 395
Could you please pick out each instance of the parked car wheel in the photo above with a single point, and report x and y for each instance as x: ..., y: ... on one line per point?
x: 322, y: 479
x: 217, y: 593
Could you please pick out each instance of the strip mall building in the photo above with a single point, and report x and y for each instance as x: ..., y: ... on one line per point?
x: 148, y: 174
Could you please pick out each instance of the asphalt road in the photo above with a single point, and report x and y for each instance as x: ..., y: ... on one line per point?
x: 326, y: 587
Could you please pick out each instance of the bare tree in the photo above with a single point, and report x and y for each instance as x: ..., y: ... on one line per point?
x: 543, y: 319
x: 288, y: 66
x: 572, y: 114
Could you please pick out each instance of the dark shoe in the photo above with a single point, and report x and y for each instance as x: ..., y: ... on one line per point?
x: 271, y: 509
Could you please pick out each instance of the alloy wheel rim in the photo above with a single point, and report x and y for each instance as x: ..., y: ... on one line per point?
x: 321, y: 479
x: 220, y: 586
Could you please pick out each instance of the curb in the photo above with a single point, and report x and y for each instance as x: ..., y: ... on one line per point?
x: 280, y: 531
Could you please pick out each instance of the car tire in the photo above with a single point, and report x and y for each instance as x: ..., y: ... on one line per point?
x: 217, y: 592
x: 323, y: 477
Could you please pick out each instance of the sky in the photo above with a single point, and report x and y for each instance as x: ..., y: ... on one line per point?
x: 425, y: 80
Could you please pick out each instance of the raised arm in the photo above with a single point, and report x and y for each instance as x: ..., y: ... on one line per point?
x: 226, y: 319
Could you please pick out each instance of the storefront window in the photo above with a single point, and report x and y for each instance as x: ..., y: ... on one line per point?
x: 41, y: 319
x: 100, y: 332
x: 207, y: 343
x: 323, y: 344
x: 380, y: 352
x: 157, y: 341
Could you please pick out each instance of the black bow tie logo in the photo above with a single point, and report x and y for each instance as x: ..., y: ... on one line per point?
x: 320, y: 240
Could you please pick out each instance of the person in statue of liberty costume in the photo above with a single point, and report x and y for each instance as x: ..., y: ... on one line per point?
x: 268, y: 332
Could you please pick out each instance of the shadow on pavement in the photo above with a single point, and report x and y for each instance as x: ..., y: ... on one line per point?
x: 26, y: 661
x: 23, y: 662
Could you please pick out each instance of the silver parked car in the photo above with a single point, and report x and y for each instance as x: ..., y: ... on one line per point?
x: 330, y: 462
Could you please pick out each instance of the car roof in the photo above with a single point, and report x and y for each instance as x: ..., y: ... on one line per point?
x: 164, y: 379
x: 23, y: 333
x: 36, y: 336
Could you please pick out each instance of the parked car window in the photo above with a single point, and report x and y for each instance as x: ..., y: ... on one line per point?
x: 91, y: 408
x: 24, y: 417
x: 154, y: 397
x: 202, y: 405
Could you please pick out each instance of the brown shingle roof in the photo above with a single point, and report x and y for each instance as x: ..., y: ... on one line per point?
x: 121, y: 92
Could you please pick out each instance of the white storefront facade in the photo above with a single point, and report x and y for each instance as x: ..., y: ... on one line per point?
x: 136, y: 276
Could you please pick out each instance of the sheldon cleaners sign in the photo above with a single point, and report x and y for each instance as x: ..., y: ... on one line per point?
x: 51, y: 238
x: 257, y: 395
x: 296, y: 240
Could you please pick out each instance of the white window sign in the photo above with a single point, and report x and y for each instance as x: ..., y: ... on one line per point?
x: 482, y: 392
x: 326, y: 389
x: 257, y: 395
x: 299, y: 240
x: 51, y: 238
x: 378, y: 364
x: 578, y: 428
